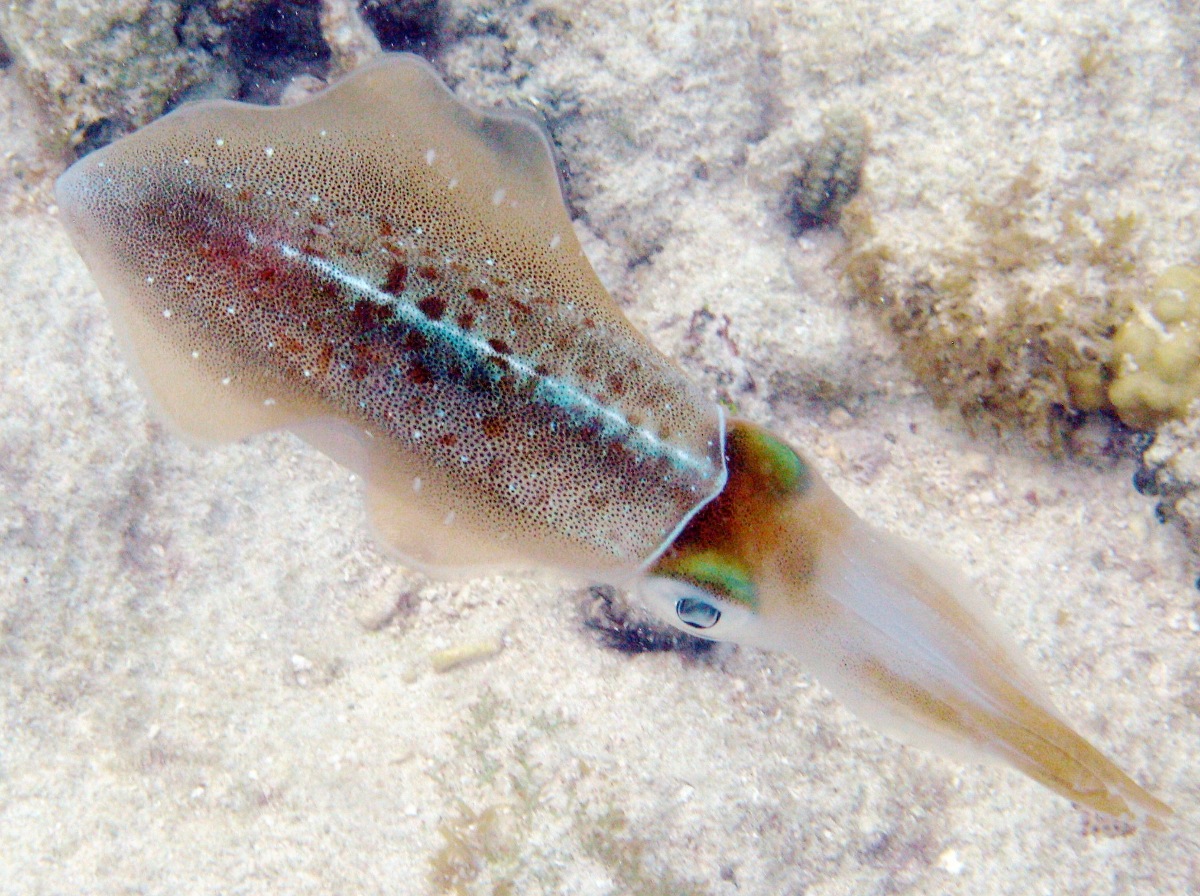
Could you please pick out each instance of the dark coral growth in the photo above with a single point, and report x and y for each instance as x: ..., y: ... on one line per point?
x: 624, y: 628
x: 1169, y: 471
x: 414, y: 26
x: 831, y: 173
x: 1013, y: 324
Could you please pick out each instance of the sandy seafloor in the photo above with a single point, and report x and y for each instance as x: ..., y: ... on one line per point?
x: 198, y: 696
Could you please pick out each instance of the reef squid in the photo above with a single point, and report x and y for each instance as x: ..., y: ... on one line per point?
x: 393, y: 275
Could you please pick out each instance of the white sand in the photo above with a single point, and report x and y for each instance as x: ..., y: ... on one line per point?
x: 194, y: 700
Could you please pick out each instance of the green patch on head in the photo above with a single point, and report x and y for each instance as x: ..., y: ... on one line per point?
x: 716, y: 573
x: 785, y: 471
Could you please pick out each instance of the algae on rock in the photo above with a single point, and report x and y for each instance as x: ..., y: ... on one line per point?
x: 1012, y: 323
x: 103, y: 67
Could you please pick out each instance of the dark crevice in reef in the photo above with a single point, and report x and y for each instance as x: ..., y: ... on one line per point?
x: 273, y: 43
x: 415, y: 26
x: 250, y: 51
x: 5, y: 55
x: 97, y: 134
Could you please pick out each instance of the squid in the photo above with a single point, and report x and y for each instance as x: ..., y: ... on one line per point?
x: 393, y: 275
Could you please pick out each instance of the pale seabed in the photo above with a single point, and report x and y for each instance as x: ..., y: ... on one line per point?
x: 202, y: 692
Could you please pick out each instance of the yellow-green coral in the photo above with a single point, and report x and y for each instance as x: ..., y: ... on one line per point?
x: 1157, y: 352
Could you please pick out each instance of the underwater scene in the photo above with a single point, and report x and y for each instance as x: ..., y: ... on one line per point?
x: 599, y: 448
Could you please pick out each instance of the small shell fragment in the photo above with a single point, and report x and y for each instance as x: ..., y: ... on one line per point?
x: 463, y: 654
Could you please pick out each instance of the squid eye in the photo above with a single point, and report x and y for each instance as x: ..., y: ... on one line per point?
x: 696, y: 613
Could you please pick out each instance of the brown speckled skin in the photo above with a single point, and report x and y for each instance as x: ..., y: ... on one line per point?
x: 394, y: 275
